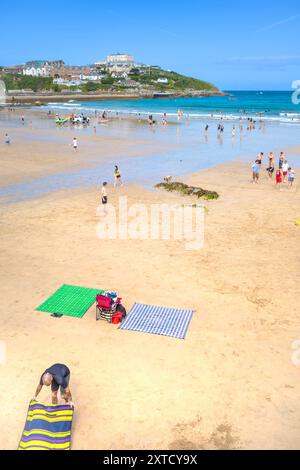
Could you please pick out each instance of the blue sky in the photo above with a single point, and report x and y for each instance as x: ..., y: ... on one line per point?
x: 234, y: 44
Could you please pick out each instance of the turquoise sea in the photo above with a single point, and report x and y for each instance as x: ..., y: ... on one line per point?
x: 272, y: 105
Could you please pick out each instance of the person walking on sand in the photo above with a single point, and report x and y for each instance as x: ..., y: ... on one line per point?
x: 75, y: 145
x: 255, y: 171
x: 117, y: 176
x: 7, y: 139
x: 278, y: 178
x: 291, y: 177
x: 58, y: 376
x: 104, y: 196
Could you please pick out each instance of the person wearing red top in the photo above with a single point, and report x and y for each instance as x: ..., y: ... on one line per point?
x: 278, y: 178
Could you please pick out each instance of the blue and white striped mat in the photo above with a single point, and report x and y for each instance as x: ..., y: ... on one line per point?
x: 158, y: 320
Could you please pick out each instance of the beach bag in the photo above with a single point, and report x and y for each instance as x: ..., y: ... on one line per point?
x: 122, y: 310
x: 104, y: 302
x: 117, y: 318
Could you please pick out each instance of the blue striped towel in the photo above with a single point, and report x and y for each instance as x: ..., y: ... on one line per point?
x: 158, y: 320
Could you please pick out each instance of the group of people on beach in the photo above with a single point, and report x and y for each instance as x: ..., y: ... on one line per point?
x: 284, y: 172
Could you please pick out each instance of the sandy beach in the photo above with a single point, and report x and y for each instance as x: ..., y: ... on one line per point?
x: 231, y: 384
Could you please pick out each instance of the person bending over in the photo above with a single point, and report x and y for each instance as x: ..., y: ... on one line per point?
x: 58, y: 376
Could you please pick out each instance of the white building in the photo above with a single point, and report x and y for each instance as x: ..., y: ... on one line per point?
x: 121, y: 74
x: 117, y: 63
x: 91, y: 78
x: 162, y: 80
x: 120, y: 59
x: 39, y: 69
x: 67, y: 83
x: 42, y: 68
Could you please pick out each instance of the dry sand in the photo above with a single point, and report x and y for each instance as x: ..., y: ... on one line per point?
x: 230, y: 384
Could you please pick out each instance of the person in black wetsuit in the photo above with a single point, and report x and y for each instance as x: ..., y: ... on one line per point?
x: 58, y: 376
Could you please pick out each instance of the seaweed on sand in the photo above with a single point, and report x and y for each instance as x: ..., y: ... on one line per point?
x: 186, y: 190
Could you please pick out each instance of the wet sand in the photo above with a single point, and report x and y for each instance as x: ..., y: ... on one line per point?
x: 35, y: 152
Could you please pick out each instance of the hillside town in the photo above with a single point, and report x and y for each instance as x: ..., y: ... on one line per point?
x: 115, y: 73
x: 117, y: 66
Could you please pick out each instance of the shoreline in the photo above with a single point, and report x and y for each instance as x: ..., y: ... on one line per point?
x: 14, y: 98
x: 41, y: 159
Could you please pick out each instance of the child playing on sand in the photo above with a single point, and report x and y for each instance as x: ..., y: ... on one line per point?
x: 7, y: 139
x: 167, y: 179
x: 255, y: 171
x: 104, y: 196
x: 117, y: 176
x: 291, y: 177
x: 278, y: 178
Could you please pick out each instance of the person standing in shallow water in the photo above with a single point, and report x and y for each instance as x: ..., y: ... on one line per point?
x: 75, y: 144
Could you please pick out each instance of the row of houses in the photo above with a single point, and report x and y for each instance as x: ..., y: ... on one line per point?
x: 117, y: 66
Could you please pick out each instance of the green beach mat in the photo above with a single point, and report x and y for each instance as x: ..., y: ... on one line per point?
x: 70, y: 300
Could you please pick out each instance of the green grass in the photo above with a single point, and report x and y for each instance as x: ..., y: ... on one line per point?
x: 25, y: 82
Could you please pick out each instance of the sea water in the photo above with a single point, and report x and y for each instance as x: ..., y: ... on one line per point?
x: 187, y: 148
x: 273, y: 105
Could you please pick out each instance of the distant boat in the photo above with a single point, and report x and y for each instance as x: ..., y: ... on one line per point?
x: 232, y: 99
